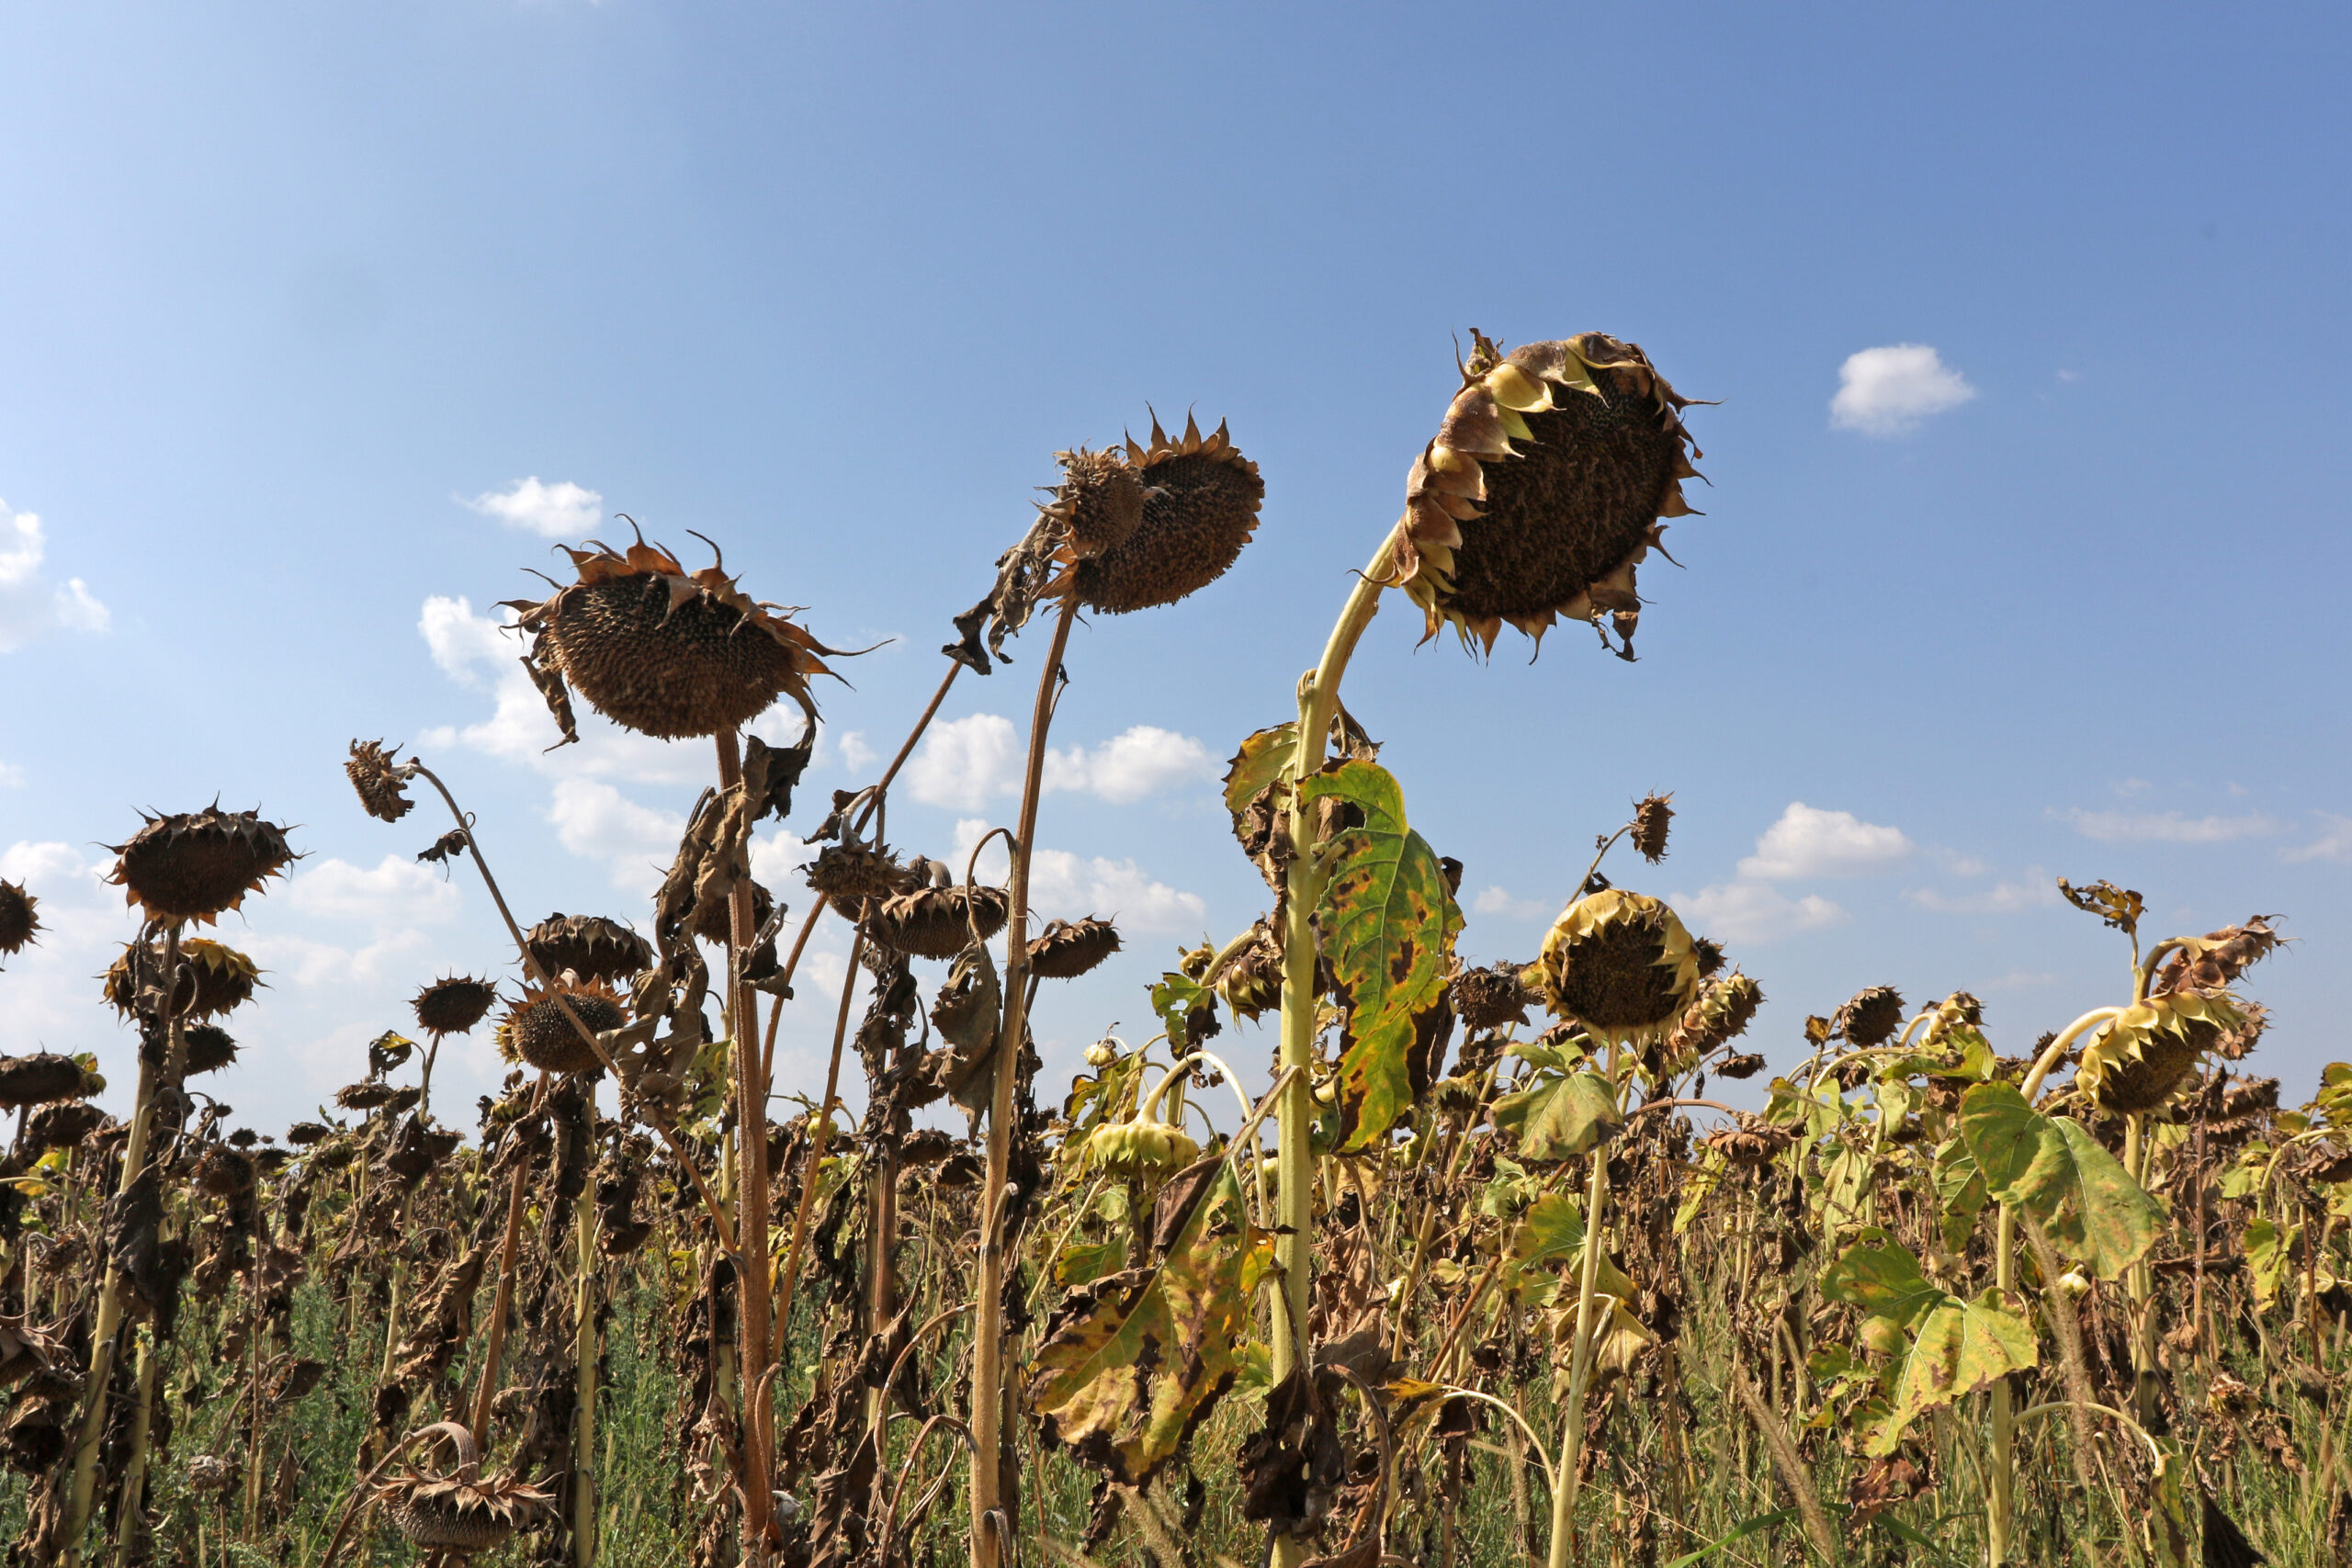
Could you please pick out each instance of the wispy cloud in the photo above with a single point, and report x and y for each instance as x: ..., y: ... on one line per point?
x: 1502, y: 902
x: 30, y: 604
x: 2167, y: 827
x: 1888, y: 390
x: 558, y: 511
x: 2036, y: 890
x: 1067, y: 886
x: 2334, y: 843
x: 967, y: 763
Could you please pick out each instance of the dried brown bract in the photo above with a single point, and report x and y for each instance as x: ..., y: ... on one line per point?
x: 199, y: 865
x: 1544, y: 488
x: 381, y: 781
x: 665, y: 651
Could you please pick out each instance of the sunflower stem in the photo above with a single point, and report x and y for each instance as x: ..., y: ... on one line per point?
x: 989, y: 1392
x: 495, y: 1346
x: 1318, y: 700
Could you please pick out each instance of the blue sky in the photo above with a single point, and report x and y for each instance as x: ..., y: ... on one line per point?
x: 295, y: 299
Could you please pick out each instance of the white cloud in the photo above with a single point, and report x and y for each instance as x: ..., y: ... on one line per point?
x: 309, y: 963
x: 1753, y: 913
x: 966, y: 762
x: 12, y: 775
x: 1129, y: 767
x: 1503, y: 902
x: 563, y: 510
x: 596, y: 821
x: 2036, y: 890
x: 2167, y: 827
x: 1888, y: 390
x: 856, y: 753
x: 396, y: 892
x: 1066, y: 885
x: 29, y: 604
x: 1807, y: 842
x: 2334, y: 843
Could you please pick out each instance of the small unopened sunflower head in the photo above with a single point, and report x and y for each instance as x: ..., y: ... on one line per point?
x: 1544, y: 488
x: 197, y: 866
x: 381, y: 779
x: 18, y: 922
x: 453, y: 1004
x: 1200, y: 505
x: 1621, y: 964
x: 665, y: 651
x: 2146, y: 1057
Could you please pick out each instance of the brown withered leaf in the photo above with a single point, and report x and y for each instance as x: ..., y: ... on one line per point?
x: 1134, y: 1362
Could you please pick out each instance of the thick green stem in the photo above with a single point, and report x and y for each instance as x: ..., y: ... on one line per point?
x: 1318, y: 701
x: 989, y: 1388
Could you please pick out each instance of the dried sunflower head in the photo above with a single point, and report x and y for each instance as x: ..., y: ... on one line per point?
x: 1490, y: 998
x: 453, y: 1004
x: 665, y: 651
x: 1252, y: 982
x: 1200, y: 506
x: 537, y: 1031
x: 1067, y: 949
x: 1652, y: 816
x: 40, y: 1079
x: 1099, y: 502
x: 19, y: 923
x: 1621, y: 964
x: 1869, y: 1018
x: 196, y: 865
x: 1721, y: 1014
x: 457, y: 1510
x: 208, y: 1047
x: 1544, y: 488
x: 222, y: 978
x: 937, y: 922
x: 848, y: 872
x: 589, y: 945
x: 381, y: 781
x: 2142, y: 1059
x: 62, y: 1126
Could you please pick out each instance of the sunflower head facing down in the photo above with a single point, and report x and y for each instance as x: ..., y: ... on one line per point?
x: 1544, y: 489
x: 662, y: 651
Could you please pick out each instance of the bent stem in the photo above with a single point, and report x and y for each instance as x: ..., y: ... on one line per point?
x: 988, y: 1393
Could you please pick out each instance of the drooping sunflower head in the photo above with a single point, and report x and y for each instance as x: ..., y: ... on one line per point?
x: 18, y: 922
x: 589, y: 945
x: 453, y: 1004
x: 1544, y: 488
x: 460, y: 1512
x: 665, y: 651
x: 380, y: 780
x: 1653, y: 816
x: 1200, y: 505
x: 1621, y: 964
x: 209, y: 1049
x: 222, y: 978
x: 1869, y: 1018
x: 40, y: 1079
x: 1067, y: 949
x: 1099, y: 504
x: 937, y: 922
x: 1720, y: 1014
x: 2142, y: 1059
x: 196, y: 865
x: 536, y: 1029
x: 1490, y: 998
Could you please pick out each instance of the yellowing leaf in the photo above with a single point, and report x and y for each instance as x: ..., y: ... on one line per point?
x: 1259, y: 762
x: 1960, y: 1346
x: 2050, y: 1163
x: 1390, y: 922
x: 1559, y: 1118
x: 1130, y: 1366
x: 1879, y: 1275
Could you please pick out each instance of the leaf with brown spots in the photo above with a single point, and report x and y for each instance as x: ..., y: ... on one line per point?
x: 1388, y: 922
x: 1132, y: 1364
